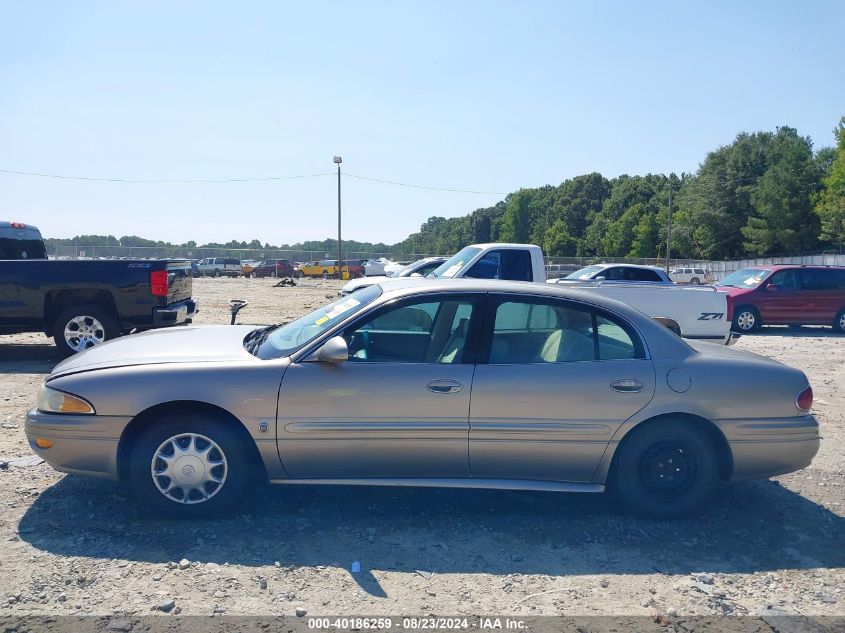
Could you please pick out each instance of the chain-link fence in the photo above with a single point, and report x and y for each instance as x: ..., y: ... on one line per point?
x: 179, y: 252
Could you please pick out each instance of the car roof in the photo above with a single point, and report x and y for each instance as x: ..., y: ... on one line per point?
x: 792, y: 266
x: 412, y: 285
x: 623, y: 265
x: 17, y: 225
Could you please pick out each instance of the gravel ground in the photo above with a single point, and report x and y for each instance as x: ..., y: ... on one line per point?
x: 72, y: 545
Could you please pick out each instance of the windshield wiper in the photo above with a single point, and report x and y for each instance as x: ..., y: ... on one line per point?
x: 255, y: 339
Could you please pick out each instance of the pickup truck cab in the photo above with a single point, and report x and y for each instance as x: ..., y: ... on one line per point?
x: 83, y: 303
x: 786, y: 295
x: 691, y: 312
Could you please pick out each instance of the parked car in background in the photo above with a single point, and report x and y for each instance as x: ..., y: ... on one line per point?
x: 694, y: 276
x: 247, y: 265
x: 82, y: 303
x: 331, y: 268
x: 619, y: 272
x: 221, y: 267
x: 273, y: 268
x: 786, y: 295
x: 556, y: 271
x: 419, y: 268
x: 375, y: 267
x: 570, y: 392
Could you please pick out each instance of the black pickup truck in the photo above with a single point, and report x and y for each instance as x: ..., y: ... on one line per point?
x: 81, y: 303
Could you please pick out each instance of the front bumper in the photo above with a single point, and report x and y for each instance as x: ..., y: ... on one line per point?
x: 767, y: 447
x: 175, y: 313
x: 82, y: 444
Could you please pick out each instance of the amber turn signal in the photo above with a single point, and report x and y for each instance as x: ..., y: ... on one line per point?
x: 43, y: 442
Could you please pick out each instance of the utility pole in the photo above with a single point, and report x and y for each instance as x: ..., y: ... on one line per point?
x: 669, y: 230
x: 338, y: 160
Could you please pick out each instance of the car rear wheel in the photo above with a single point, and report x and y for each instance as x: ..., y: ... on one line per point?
x: 191, y: 465
x: 665, y: 470
x: 695, y: 281
x: 78, y: 328
x: 745, y: 319
x: 839, y: 322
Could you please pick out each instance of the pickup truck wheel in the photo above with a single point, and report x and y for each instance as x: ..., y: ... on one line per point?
x: 839, y: 322
x: 665, y: 470
x: 745, y: 319
x: 190, y: 466
x: 78, y: 328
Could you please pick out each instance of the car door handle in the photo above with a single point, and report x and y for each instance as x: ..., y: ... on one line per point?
x: 627, y: 385
x: 444, y: 386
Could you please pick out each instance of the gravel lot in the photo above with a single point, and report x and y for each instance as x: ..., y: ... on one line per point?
x: 76, y: 546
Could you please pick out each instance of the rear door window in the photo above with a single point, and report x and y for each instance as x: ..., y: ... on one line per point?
x: 817, y: 279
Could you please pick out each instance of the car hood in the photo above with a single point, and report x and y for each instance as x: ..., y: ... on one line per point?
x: 185, y: 344
x: 362, y: 282
x: 731, y: 291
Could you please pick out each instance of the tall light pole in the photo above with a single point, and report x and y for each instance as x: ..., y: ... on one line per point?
x: 338, y: 160
x: 669, y: 230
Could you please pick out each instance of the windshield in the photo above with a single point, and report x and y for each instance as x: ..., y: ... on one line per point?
x: 453, y: 265
x: 745, y: 278
x: 284, y: 340
x: 585, y: 273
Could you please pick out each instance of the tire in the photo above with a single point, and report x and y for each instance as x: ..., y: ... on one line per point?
x: 695, y: 281
x: 217, y: 273
x: 94, y: 323
x: 645, y: 484
x: 839, y: 322
x: 209, y: 431
x: 746, y: 319
x: 273, y: 274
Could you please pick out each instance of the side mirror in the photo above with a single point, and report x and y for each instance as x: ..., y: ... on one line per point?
x: 600, y: 278
x: 771, y: 288
x: 335, y: 350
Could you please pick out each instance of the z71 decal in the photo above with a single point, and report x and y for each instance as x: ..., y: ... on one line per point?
x: 711, y: 316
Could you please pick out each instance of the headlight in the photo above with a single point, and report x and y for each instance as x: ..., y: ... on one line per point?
x: 55, y: 401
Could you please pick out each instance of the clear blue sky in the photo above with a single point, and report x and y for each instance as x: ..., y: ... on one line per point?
x: 489, y: 96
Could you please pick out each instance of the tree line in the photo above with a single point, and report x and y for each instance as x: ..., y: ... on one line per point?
x: 766, y: 193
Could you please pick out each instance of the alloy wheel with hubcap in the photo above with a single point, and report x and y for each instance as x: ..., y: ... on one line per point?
x: 839, y: 322
x: 189, y: 468
x: 84, y: 331
x: 189, y: 464
x: 746, y: 320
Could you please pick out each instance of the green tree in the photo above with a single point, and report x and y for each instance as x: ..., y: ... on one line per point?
x: 830, y: 202
x: 782, y: 220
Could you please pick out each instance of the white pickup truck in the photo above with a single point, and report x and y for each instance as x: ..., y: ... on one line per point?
x: 692, y: 312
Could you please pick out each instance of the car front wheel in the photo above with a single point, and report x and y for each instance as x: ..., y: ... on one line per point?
x: 191, y: 465
x: 665, y: 470
x: 746, y: 319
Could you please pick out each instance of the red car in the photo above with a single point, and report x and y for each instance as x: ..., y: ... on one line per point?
x: 273, y: 268
x: 786, y: 295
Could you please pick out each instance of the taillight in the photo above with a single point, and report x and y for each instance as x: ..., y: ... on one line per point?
x: 158, y: 283
x: 805, y: 399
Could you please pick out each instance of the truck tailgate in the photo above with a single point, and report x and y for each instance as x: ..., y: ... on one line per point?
x: 180, y: 281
